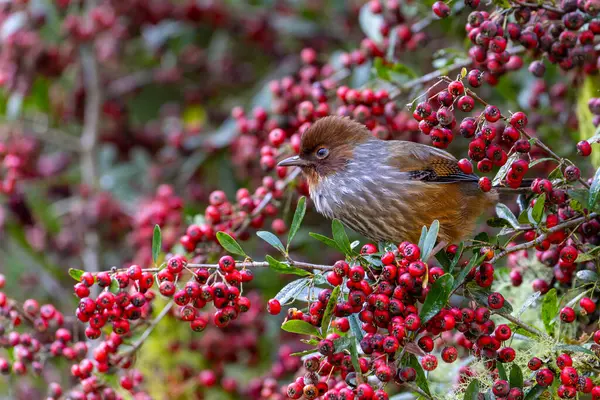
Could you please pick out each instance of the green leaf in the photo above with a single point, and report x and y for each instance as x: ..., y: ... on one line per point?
x: 460, y: 278
x: 272, y: 240
x: 423, y: 237
x: 472, y: 391
x: 355, y: 327
x: 444, y: 260
x: 230, y: 244
x: 496, y: 222
x: 549, y: 309
x: 297, y: 220
x: 430, y: 240
x: 594, y: 191
x: 114, y: 286
x: 342, y: 343
x: 540, y: 160
x: 501, y: 371
x: 574, y: 348
x: 340, y: 237
x: 291, y: 290
x: 156, y: 243
x: 528, y: 303
x: 537, y: 211
x: 421, y: 378
x: 587, y: 275
x: 437, y: 297
x: 301, y: 327
x: 328, y: 313
x: 327, y: 241
x: 354, y: 357
x: 76, y: 274
x: 516, y: 376
x: 505, y: 213
x: 535, y: 392
x: 580, y: 195
x: 504, y: 169
x: 304, y: 353
x: 457, y: 256
x: 371, y: 23
x: 284, y: 268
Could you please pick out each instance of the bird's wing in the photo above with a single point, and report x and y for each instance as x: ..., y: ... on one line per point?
x: 427, y: 163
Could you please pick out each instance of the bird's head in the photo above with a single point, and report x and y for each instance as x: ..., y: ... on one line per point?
x: 327, y: 146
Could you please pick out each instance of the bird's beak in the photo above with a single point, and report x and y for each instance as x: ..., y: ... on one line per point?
x: 293, y: 161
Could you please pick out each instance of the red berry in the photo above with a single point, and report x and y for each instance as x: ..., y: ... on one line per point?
x: 534, y: 364
x: 584, y: 148
x: 567, y: 314
x: 518, y: 120
x: 587, y: 305
x: 485, y: 184
x: 440, y: 9
x: 449, y: 354
x: 273, y: 307
x: 544, y: 377
x: 429, y: 362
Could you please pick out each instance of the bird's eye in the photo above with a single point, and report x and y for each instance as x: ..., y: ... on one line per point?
x: 322, y: 153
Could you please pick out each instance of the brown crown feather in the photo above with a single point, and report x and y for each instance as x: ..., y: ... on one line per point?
x: 340, y: 135
x: 332, y: 132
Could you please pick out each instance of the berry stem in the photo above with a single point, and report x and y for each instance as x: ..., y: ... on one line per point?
x: 522, y: 324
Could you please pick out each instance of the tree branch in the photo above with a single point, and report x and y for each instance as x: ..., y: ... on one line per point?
x: 524, y: 246
x: 521, y: 324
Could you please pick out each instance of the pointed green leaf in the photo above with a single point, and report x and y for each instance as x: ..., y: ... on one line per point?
x: 301, y: 327
x: 354, y: 357
x: 535, y: 392
x: 540, y: 160
x: 437, y: 297
x: 504, y: 169
x: 430, y: 240
x: 297, y: 220
x: 76, y: 274
x: 472, y: 392
x: 549, y: 310
x: 594, y: 191
x: 423, y: 237
x: 504, y: 212
x: 229, y: 244
x: 421, y: 378
x: 114, y: 286
x: 305, y: 353
x: 501, y: 371
x: 459, y: 251
x: 516, y: 376
x: 327, y: 241
x: 460, y: 278
x: 538, y: 209
x: 340, y: 236
x: 272, y: 240
x: 284, y: 268
x: 291, y: 290
x: 587, y: 275
x: 574, y: 348
x: 355, y: 327
x: 156, y: 243
x: 328, y: 313
x: 444, y: 260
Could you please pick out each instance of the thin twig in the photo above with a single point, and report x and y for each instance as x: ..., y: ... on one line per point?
x: 417, y: 389
x: 524, y: 246
x: 263, y: 264
x: 150, y: 328
x: 521, y: 324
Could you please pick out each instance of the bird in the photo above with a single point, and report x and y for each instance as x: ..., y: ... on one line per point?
x: 387, y: 190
